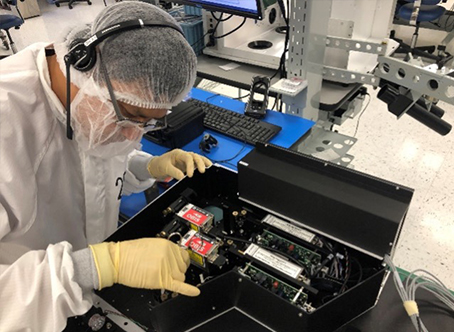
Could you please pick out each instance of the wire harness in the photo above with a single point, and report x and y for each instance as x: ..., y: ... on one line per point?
x: 407, y: 291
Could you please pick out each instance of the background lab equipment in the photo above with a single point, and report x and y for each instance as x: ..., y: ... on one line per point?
x: 10, y: 17
x: 345, y: 42
x: 429, y: 11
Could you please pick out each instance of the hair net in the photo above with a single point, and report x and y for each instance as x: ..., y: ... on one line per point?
x: 150, y: 67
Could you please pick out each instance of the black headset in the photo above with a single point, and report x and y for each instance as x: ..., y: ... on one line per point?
x: 207, y: 143
x: 82, y: 53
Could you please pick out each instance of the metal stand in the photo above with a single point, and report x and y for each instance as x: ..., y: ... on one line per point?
x: 11, y: 42
x: 328, y: 145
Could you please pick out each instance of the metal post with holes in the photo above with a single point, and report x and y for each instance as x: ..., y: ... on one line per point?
x: 308, y: 29
x: 309, y: 20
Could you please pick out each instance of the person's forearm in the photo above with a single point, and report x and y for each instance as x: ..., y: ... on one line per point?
x: 41, y: 292
x: 85, y: 273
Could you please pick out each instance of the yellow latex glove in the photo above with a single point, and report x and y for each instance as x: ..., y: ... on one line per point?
x: 150, y: 263
x: 175, y: 163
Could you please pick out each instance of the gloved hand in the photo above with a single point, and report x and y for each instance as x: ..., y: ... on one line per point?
x: 174, y: 163
x: 149, y: 263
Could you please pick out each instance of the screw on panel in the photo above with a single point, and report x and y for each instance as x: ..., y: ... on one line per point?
x: 300, y: 314
x: 108, y: 326
x: 240, y: 280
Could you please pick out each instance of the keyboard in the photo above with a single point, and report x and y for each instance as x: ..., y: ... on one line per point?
x: 236, y: 125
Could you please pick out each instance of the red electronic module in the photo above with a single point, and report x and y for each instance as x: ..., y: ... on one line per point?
x: 198, y: 219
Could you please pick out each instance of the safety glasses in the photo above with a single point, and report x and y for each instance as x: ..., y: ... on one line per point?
x: 152, y: 125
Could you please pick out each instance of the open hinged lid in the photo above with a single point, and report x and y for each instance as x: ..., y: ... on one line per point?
x: 354, y: 208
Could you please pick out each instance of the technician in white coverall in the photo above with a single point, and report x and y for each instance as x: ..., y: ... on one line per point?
x: 58, y: 196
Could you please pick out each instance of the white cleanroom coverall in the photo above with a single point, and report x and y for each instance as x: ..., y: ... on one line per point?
x: 49, y: 192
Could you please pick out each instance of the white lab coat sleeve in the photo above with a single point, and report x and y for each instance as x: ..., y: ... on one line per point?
x: 5, y: 227
x: 38, y: 291
x: 137, y: 177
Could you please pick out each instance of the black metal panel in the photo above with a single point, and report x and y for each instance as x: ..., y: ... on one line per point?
x: 344, y: 204
x: 183, y: 313
x: 347, y: 306
x: 232, y: 320
x: 227, y: 292
x: 232, y: 291
x: 270, y: 309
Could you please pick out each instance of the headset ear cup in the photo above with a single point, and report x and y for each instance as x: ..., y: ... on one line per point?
x: 84, y: 58
x: 91, y: 59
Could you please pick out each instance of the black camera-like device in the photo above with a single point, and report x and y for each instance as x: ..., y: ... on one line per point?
x: 258, y: 98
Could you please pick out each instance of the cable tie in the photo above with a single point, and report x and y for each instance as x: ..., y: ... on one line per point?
x: 411, y: 307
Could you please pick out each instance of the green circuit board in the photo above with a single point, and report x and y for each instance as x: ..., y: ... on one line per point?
x: 276, y: 286
x: 303, y: 255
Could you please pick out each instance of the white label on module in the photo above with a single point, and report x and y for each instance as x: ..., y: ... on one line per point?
x: 289, y: 228
x: 274, y: 261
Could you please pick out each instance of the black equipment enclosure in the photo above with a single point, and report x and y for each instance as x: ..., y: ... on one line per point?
x: 354, y: 208
x: 184, y: 124
x: 363, y: 213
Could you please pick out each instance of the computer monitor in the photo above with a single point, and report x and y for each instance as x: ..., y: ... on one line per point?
x: 245, y: 8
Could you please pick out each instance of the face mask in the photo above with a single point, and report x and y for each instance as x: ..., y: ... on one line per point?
x: 96, y: 128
